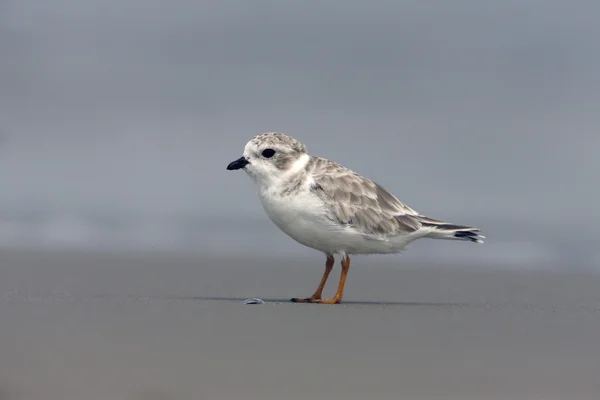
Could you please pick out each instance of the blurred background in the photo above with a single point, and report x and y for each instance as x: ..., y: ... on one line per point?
x: 118, y: 118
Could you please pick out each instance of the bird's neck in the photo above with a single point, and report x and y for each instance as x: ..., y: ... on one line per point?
x: 298, y: 166
x: 288, y: 179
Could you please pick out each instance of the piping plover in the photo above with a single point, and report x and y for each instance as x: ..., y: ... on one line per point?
x: 331, y: 208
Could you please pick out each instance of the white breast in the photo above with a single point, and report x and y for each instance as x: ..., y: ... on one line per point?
x: 301, y: 216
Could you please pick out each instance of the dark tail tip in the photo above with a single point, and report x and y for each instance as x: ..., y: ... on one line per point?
x: 468, y: 235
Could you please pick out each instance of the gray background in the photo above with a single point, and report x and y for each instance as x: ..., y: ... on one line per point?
x: 119, y: 117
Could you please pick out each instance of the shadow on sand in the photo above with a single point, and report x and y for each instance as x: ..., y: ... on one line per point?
x: 346, y: 302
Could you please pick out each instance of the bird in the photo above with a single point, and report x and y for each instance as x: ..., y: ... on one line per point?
x: 332, y: 209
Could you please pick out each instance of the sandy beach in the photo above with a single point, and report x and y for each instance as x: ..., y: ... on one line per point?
x: 99, y: 326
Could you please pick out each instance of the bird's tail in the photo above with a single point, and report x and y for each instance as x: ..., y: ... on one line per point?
x: 445, y: 230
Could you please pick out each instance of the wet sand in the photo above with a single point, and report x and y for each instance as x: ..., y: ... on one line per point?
x: 98, y: 326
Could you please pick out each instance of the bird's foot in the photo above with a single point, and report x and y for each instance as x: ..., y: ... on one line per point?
x: 319, y: 300
x: 306, y: 300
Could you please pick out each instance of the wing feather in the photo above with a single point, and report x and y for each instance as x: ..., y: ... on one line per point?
x: 359, y: 202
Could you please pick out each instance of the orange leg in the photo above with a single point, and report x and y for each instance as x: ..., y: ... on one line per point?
x: 319, y: 291
x: 340, y: 290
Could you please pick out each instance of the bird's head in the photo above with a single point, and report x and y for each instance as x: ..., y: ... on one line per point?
x: 271, y: 157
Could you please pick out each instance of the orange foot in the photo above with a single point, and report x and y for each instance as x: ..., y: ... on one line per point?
x: 316, y: 298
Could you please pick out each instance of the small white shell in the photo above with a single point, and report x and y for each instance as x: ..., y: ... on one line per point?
x: 253, y: 300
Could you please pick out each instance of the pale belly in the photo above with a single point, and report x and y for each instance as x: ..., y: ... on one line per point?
x: 304, y: 220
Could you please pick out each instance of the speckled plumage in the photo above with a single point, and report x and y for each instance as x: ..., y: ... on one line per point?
x: 359, y: 202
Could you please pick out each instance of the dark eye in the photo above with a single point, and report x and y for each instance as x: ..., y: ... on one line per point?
x: 268, y: 153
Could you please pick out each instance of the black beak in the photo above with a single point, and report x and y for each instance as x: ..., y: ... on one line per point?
x: 237, y: 164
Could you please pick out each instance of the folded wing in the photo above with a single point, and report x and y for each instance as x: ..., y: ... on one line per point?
x: 363, y: 204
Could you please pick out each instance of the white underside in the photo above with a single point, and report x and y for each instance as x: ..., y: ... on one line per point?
x: 303, y: 217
